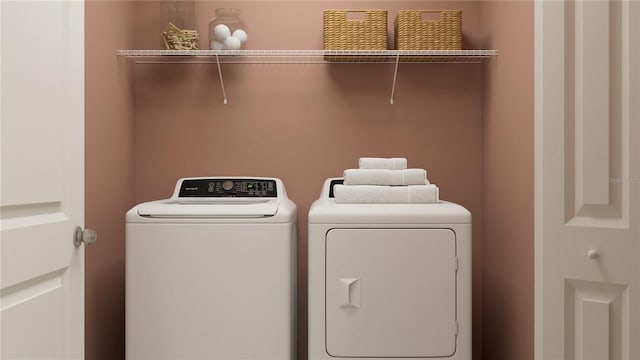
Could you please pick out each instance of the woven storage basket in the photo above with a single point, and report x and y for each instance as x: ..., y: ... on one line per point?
x: 414, y: 33
x: 340, y: 33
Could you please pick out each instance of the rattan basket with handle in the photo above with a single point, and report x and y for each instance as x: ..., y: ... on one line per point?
x: 341, y: 33
x: 412, y: 32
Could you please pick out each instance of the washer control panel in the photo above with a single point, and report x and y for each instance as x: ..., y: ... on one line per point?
x: 218, y: 187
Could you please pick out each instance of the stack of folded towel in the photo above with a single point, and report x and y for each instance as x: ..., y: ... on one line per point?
x: 380, y: 180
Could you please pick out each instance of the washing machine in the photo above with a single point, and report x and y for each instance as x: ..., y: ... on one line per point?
x: 210, y: 272
x: 388, y: 281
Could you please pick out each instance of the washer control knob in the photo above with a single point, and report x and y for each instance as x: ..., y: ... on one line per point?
x: 227, y: 185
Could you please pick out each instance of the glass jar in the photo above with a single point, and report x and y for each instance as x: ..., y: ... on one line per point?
x: 180, y: 13
x: 218, y: 36
x: 178, y: 25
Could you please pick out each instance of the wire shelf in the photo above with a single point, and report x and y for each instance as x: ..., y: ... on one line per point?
x: 306, y: 56
x: 219, y: 57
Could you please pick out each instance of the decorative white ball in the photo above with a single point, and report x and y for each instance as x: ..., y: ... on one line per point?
x: 221, y: 32
x: 240, y: 34
x: 232, y: 43
x: 216, y: 45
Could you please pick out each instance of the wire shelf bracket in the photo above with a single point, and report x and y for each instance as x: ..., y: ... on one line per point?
x: 224, y: 93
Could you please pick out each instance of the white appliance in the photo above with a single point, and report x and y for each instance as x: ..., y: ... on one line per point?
x: 210, y: 272
x: 389, y: 281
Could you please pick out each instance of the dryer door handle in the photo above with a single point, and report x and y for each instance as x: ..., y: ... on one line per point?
x: 350, y: 293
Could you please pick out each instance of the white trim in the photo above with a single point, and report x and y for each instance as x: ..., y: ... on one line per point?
x: 538, y: 198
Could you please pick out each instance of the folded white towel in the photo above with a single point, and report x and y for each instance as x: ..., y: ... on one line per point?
x: 385, y: 177
x: 373, y: 194
x: 383, y: 163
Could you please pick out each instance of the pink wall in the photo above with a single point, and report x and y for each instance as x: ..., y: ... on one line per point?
x: 304, y: 123
x: 286, y: 24
x: 109, y: 171
x: 507, y: 251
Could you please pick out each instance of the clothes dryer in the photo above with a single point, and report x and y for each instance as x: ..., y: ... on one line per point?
x: 388, y: 281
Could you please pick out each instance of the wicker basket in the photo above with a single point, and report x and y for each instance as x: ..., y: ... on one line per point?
x: 340, y: 33
x: 414, y: 33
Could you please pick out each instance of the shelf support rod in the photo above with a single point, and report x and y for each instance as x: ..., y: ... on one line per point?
x: 224, y: 93
x: 395, y: 75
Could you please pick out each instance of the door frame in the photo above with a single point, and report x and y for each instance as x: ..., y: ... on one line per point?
x: 539, y: 47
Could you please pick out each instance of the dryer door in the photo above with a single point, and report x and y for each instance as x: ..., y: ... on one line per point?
x: 391, y: 292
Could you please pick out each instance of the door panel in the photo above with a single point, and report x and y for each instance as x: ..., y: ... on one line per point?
x: 33, y: 65
x: 41, y: 199
x: 595, y: 73
x: 44, y: 337
x: 591, y: 68
x: 596, y: 315
x: 391, y: 292
x: 588, y: 199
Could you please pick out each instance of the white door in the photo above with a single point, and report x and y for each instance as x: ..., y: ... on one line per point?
x: 42, y: 194
x: 397, y: 301
x: 587, y: 179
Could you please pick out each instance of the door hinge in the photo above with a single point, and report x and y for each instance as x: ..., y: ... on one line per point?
x: 456, y: 327
x: 456, y: 263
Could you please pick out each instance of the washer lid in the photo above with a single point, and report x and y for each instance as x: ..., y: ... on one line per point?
x: 210, y: 208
